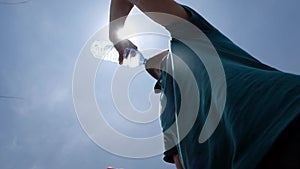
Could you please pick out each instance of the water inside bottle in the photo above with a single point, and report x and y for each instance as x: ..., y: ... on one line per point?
x: 105, y: 51
x: 133, y: 58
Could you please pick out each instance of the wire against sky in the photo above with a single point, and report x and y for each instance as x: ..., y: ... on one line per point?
x: 11, y: 97
x: 13, y: 2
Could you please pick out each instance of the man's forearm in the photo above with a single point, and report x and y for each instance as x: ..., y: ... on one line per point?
x: 119, y: 10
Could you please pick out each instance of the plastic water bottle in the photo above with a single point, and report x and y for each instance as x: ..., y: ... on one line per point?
x: 105, y: 50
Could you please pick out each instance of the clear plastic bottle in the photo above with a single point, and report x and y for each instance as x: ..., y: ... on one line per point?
x: 105, y: 50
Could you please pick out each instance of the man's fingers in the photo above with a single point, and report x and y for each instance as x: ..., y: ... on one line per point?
x: 121, y: 59
x: 121, y: 46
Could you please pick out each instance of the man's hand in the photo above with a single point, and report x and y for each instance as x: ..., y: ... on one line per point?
x: 121, y: 46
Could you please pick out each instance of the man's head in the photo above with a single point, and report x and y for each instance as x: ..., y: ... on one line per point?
x: 153, y: 65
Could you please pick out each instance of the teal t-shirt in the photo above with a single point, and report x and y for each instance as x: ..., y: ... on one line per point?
x: 260, y: 102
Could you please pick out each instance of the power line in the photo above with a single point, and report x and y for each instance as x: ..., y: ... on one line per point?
x: 11, y: 97
x: 13, y: 3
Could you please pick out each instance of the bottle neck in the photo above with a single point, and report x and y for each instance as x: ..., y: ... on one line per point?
x: 144, y: 61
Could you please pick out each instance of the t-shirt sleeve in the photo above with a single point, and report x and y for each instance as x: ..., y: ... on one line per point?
x: 168, y: 126
x: 170, y: 146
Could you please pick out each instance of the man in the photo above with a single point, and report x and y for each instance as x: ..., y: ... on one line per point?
x: 262, y: 104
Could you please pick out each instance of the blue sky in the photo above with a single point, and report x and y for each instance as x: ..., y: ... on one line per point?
x: 40, y: 42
